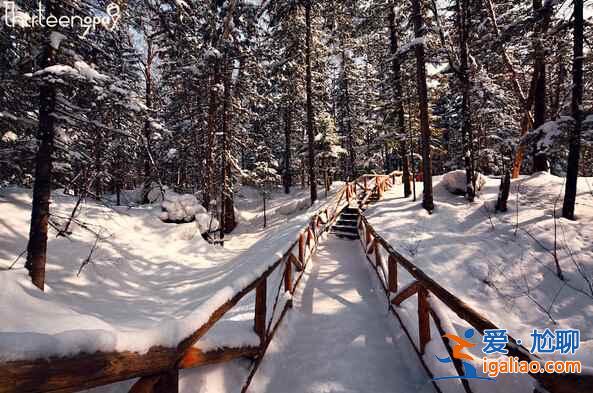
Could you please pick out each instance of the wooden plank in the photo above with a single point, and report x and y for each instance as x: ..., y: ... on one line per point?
x: 288, y: 274
x: 145, y: 385
x: 405, y: 293
x: 195, y: 357
x: 168, y: 382
x: 302, y: 248
x: 392, y: 274
x: 83, y: 371
x: 298, y: 264
x: 423, y: 318
x: 378, y: 258
x: 260, y: 310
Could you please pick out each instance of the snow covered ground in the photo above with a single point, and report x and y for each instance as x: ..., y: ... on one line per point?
x: 339, y: 337
x: 503, y: 265
x: 148, y: 283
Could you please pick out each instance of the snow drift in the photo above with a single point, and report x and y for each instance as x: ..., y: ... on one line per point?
x: 456, y: 182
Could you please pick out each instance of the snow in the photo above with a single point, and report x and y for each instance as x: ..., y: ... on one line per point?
x: 180, y: 208
x: 89, y: 72
x: 55, y: 39
x: 456, y: 182
x: 149, y: 283
x: 80, y: 70
x: 9, y: 137
x: 503, y: 270
x: 339, y: 337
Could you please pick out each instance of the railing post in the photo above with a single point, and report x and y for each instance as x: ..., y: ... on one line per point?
x: 378, y: 259
x: 366, y: 187
x: 288, y: 275
x: 302, y: 249
x: 260, y: 309
x: 423, y: 318
x: 392, y: 274
x: 367, y: 237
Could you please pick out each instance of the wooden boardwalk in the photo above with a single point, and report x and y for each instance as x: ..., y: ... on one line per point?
x: 342, y: 338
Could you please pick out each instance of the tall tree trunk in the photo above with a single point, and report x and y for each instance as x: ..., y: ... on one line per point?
x: 349, y: 136
x: 427, y: 197
x: 99, y: 142
x: 228, y: 222
x: 310, y: 114
x: 287, y: 178
x: 37, y: 246
x: 537, y: 94
x: 577, y: 112
x: 467, y: 137
x: 526, y: 102
x: 540, y: 159
x: 148, y: 175
x: 210, y: 135
x: 399, y: 106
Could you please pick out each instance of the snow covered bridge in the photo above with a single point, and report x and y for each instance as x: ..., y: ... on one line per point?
x: 339, y: 337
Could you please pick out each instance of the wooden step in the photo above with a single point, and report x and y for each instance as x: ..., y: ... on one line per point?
x: 344, y: 228
x: 346, y: 235
x: 346, y: 222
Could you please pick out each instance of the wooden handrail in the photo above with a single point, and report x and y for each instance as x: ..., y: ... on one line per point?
x: 85, y: 371
x: 424, y: 286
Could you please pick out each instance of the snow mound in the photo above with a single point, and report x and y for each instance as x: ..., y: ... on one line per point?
x: 455, y: 182
x: 293, y: 206
x: 181, y: 208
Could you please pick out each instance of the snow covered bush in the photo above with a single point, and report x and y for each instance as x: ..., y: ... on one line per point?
x: 455, y: 182
x: 181, y: 208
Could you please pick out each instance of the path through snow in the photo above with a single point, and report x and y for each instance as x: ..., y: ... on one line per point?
x: 340, y: 338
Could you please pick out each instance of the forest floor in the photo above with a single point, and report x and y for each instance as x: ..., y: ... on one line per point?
x: 502, y: 265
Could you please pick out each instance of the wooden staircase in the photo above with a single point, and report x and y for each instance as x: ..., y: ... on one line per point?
x: 346, y: 226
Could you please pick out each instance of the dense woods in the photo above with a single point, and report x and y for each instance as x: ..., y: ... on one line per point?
x: 202, y: 96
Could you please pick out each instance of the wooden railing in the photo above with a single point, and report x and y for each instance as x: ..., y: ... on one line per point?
x: 425, y: 289
x: 158, y: 369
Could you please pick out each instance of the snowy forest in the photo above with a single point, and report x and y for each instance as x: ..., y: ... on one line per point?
x: 134, y: 120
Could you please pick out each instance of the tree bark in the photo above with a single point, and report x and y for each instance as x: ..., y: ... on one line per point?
x: 148, y: 175
x: 540, y: 159
x: 287, y: 178
x: 228, y: 222
x: 37, y: 246
x: 310, y: 114
x: 399, y: 106
x: 210, y: 135
x: 577, y: 112
x: 349, y: 137
x: 463, y: 10
x: 427, y: 197
x: 526, y: 102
